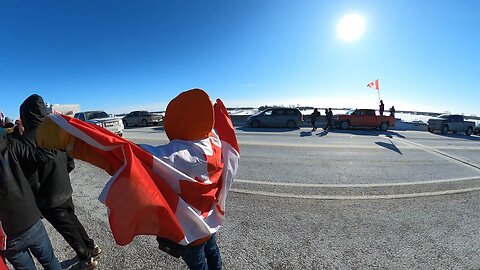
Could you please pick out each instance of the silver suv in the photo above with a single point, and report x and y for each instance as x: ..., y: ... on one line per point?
x: 289, y: 117
x: 102, y: 119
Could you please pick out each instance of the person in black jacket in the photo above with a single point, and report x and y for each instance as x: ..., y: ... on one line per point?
x: 19, y: 215
x: 329, y: 118
x: 313, y: 118
x: 53, y: 189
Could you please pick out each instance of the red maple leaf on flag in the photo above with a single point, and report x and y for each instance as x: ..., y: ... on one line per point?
x: 374, y: 84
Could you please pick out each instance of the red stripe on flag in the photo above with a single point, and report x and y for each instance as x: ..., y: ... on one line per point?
x: 223, y: 125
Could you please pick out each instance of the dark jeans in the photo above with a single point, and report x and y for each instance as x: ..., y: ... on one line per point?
x: 328, y: 125
x: 196, y: 256
x: 33, y: 241
x: 64, y: 220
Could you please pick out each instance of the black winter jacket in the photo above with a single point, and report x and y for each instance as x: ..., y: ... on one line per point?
x: 51, y: 183
x: 18, y: 210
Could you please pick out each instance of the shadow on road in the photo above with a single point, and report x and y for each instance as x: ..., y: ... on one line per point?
x: 390, y: 146
x: 135, y: 127
x: 366, y: 132
x: 459, y: 136
x: 67, y: 263
x: 265, y: 129
x: 305, y: 133
x: 159, y: 128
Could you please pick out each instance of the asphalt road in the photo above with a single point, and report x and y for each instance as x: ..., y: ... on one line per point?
x: 340, y: 200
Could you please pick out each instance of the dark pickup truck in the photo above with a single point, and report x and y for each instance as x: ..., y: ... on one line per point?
x: 141, y: 118
x: 363, y: 118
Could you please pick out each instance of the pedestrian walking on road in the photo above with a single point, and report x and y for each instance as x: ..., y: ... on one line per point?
x: 381, y: 107
x: 314, y: 117
x: 53, y: 189
x: 20, y: 221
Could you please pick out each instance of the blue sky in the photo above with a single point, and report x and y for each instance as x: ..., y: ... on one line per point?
x: 125, y: 55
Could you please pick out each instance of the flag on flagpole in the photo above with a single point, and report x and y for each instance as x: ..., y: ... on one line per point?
x: 374, y: 84
x: 156, y: 190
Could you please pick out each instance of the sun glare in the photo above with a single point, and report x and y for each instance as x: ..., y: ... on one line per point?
x: 351, y: 27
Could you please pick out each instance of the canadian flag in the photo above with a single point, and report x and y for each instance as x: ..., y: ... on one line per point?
x: 3, y: 238
x: 175, y: 191
x: 374, y: 84
x: 3, y: 246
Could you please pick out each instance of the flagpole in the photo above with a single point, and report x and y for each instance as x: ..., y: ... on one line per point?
x: 378, y: 90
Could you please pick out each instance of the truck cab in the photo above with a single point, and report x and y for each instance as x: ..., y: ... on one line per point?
x: 364, y: 118
x: 450, y: 122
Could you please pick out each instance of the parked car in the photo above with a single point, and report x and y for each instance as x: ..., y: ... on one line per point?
x: 450, y: 122
x: 477, y: 129
x: 363, y: 118
x: 289, y: 117
x: 102, y: 119
x: 141, y: 118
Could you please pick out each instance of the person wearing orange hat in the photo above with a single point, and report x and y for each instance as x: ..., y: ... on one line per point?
x: 181, y: 128
x: 175, y: 191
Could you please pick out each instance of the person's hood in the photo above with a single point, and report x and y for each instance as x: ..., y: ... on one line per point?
x: 3, y: 140
x: 32, y: 112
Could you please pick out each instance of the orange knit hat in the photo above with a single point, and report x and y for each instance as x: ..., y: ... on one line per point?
x: 189, y: 116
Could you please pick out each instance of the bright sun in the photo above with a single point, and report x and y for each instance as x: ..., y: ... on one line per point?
x: 351, y: 27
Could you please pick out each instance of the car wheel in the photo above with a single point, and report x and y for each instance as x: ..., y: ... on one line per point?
x: 291, y: 124
x: 469, y: 131
x: 384, y: 126
x: 144, y: 123
x: 445, y: 129
x: 125, y: 123
x: 155, y: 124
x: 255, y: 123
x: 430, y: 130
x: 344, y: 125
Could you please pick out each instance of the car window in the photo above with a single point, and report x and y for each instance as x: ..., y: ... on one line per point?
x: 80, y: 116
x: 370, y: 113
x: 144, y: 113
x: 95, y: 115
x: 279, y: 112
x: 457, y: 118
x: 267, y: 113
x: 293, y: 112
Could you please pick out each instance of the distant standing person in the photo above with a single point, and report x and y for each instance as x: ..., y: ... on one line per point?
x: 313, y: 118
x: 329, y: 114
x: 382, y: 107
x: 392, y: 111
